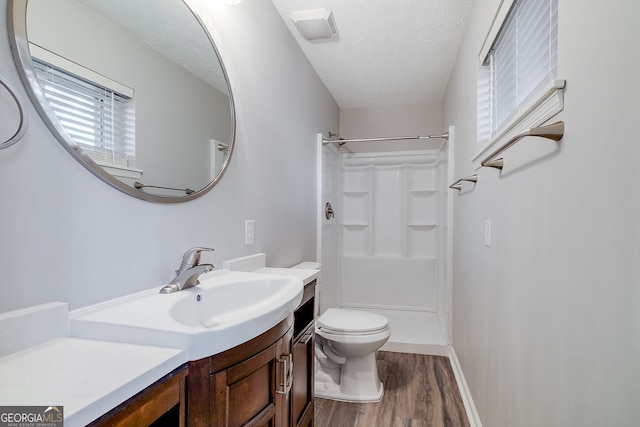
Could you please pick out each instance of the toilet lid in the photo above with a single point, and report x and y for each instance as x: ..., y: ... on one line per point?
x: 350, y: 321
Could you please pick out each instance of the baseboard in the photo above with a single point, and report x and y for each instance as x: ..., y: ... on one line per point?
x: 467, y: 400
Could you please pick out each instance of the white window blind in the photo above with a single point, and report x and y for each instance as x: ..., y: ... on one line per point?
x: 100, y: 120
x: 520, y: 64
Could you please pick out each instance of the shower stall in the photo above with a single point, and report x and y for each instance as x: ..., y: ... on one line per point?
x: 384, y: 239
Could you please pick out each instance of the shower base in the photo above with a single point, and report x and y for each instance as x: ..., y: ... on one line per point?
x: 412, y: 331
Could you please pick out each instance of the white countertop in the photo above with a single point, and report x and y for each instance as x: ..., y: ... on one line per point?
x: 40, y: 364
x: 307, y: 271
x: 306, y: 275
x: 87, y: 377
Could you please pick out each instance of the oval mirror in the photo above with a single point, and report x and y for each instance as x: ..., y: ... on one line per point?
x: 134, y: 90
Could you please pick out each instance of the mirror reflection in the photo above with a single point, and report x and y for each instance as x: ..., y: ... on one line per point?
x: 138, y: 88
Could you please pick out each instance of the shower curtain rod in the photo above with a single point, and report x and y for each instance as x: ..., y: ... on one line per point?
x: 342, y: 141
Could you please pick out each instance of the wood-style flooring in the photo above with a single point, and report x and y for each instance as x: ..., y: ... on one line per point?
x: 419, y: 391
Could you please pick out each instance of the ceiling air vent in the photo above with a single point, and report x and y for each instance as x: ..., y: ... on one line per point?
x: 315, y: 24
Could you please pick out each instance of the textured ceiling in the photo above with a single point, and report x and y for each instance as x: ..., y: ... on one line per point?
x: 386, y: 52
x: 169, y: 27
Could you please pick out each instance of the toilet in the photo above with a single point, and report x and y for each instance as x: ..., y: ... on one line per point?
x: 346, y: 345
x: 345, y: 348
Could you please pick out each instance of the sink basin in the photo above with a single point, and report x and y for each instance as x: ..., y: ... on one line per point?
x: 217, y: 305
x: 226, y: 309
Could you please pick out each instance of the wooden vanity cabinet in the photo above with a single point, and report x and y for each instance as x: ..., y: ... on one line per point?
x: 267, y: 381
x: 248, y: 385
x: 159, y: 405
x: 302, y: 407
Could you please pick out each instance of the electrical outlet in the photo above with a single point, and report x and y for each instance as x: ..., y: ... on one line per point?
x: 249, y: 232
x: 487, y: 232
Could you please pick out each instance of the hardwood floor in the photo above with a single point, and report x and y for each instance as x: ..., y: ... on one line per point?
x: 419, y: 391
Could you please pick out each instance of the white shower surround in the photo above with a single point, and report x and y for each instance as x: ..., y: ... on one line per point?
x: 388, y: 241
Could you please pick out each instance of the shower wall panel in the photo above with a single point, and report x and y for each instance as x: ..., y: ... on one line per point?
x: 391, y: 239
x: 387, y: 211
x: 390, y: 283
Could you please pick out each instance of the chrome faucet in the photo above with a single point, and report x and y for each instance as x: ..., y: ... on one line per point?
x: 189, y: 271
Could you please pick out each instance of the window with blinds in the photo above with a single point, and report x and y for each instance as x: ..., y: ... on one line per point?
x: 99, y: 119
x: 519, y: 61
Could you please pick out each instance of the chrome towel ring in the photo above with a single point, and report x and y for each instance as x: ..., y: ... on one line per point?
x: 24, y: 119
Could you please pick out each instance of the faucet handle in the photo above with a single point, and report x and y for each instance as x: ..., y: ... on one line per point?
x: 191, y: 257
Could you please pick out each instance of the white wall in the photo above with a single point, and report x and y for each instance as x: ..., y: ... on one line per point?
x: 66, y: 236
x: 547, y: 319
x: 391, y: 120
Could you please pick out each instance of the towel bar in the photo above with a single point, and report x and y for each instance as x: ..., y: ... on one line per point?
x: 458, y: 184
x: 554, y: 131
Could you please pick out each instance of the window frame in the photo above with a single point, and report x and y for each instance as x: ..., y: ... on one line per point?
x: 543, y: 103
x: 121, y: 167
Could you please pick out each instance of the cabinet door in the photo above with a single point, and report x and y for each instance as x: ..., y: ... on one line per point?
x: 255, y: 391
x: 303, y: 379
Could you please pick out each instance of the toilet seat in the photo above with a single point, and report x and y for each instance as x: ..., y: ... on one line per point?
x: 351, y: 322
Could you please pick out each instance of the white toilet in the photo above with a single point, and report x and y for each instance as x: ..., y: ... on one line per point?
x: 346, y: 345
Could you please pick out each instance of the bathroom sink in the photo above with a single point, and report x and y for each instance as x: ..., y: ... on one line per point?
x: 217, y: 305
x: 226, y: 309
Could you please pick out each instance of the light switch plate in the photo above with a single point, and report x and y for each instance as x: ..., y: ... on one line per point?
x: 487, y: 232
x: 249, y: 232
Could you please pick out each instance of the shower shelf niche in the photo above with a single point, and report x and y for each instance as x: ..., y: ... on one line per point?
x: 356, y: 208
